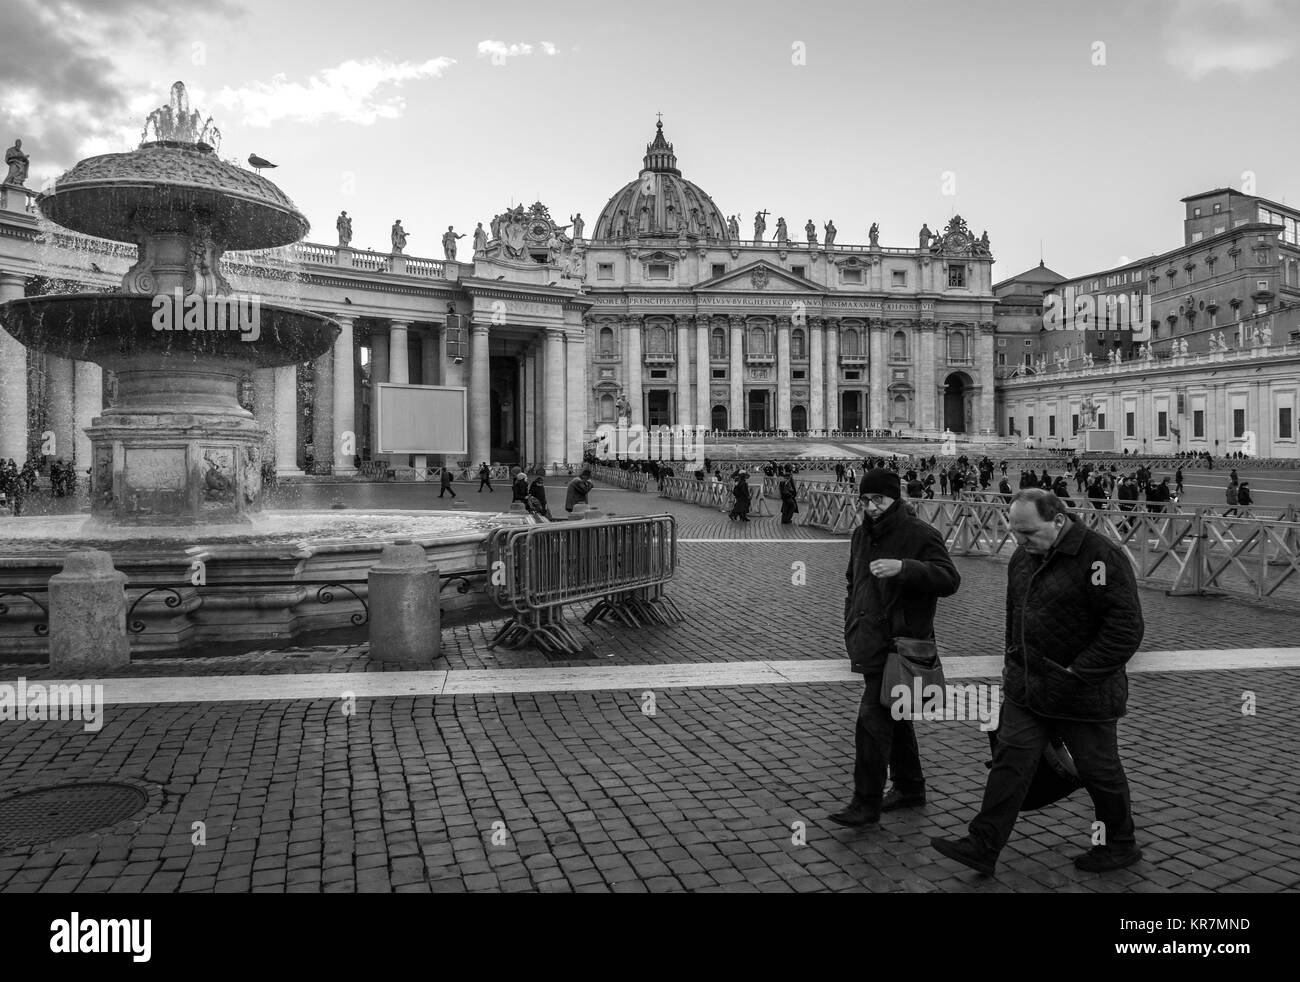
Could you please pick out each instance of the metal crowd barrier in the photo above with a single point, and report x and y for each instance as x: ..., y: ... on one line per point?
x: 619, y: 478
x: 715, y: 494
x: 537, y: 570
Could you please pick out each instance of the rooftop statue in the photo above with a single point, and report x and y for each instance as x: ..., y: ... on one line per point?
x: 449, y: 238
x: 398, y: 237
x: 18, y: 164
x: 831, y: 232
x: 925, y: 236
x: 480, y: 238
x: 344, y: 225
x: 578, y: 225
x: 874, y: 234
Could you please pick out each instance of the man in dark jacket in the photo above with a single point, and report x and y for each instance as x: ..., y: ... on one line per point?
x: 789, y: 496
x: 1073, y: 621
x: 578, y: 490
x: 898, y: 569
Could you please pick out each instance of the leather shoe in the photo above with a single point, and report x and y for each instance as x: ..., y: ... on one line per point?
x: 1103, y: 859
x: 856, y: 816
x: 967, y: 852
x: 895, y: 799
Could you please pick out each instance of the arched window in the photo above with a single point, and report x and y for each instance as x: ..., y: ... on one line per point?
x: 849, y: 343
x: 758, y: 341
x: 607, y: 408
x: 900, y: 406
x: 898, y: 350
x: 606, y: 345
x: 798, y: 346
x: 718, y: 344
x: 957, y: 345
x: 657, y: 341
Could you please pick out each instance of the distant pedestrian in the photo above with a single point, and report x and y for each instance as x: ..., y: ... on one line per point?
x: 898, y: 570
x: 484, y: 476
x: 1072, y: 632
x: 1232, y: 496
x: 740, y: 507
x: 1178, y: 481
x: 536, y: 500
x: 578, y: 490
x: 789, y: 492
x: 446, y: 483
x: 1243, y: 495
x: 519, y: 487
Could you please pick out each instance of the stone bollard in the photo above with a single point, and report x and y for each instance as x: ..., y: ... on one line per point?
x: 579, y: 512
x: 405, y: 622
x: 88, y: 616
x: 518, y: 507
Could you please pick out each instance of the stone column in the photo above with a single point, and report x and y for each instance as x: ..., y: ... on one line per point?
x: 575, y: 357
x: 879, y: 374
x: 555, y: 401
x: 13, y: 380
x: 703, y: 374
x: 480, y: 396
x: 430, y: 347
x: 264, y: 408
x: 632, y: 359
x: 62, y: 417
x: 986, y: 357
x: 832, y: 373
x: 684, y: 413
x: 378, y: 375
x: 736, y: 414
x: 345, y: 441
x: 783, y: 373
x: 816, y: 375
x: 324, y: 442
x: 286, y: 421
x: 399, y: 369
x: 537, y: 378
x: 89, y: 402
x: 925, y: 394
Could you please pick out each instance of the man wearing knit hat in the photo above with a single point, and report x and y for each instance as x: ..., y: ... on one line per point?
x: 898, y: 570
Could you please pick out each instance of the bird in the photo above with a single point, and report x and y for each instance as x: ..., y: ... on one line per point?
x: 259, y: 162
x: 95, y: 267
x: 347, y: 300
x: 502, y: 276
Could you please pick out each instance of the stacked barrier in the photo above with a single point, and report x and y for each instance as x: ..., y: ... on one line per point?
x: 537, y: 570
x: 619, y: 478
x: 714, y: 494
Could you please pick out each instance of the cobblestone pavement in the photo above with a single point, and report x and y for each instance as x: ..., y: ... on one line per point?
x: 584, y: 792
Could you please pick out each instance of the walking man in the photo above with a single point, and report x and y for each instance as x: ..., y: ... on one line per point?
x: 789, y: 496
x: 446, y: 484
x: 898, y: 570
x: 1073, y: 621
x: 484, y: 476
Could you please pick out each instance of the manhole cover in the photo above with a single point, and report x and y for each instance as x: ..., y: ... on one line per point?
x: 46, y: 814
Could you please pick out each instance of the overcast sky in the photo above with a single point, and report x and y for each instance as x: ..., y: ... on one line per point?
x: 1078, y: 124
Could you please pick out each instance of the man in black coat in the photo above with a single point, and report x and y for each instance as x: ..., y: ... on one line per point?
x: 898, y: 570
x: 1073, y: 621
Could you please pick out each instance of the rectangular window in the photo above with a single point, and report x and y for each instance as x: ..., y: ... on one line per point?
x: 1074, y: 424
x: 1031, y: 426
x: 798, y: 270
x: 1238, y: 423
x: 1162, y: 423
x: 1002, y: 342
x: 604, y: 271
x: 719, y: 373
x: 658, y: 373
x: 719, y: 269
x: 852, y: 376
x: 1198, y: 424
x: 1196, y: 213
x: 1101, y: 421
x: 1197, y: 236
x: 851, y: 275
x: 1220, y: 229
x: 1217, y: 208
x: 657, y: 271
x: 1028, y: 343
x: 898, y: 277
x: 1051, y: 426
x: 1011, y: 426
x: 1128, y: 424
x: 1002, y: 357
x: 956, y: 275
x: 799, y: 374
x: 1284, y: 431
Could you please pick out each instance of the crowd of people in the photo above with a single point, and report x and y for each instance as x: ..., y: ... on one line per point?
x: 18, y: 484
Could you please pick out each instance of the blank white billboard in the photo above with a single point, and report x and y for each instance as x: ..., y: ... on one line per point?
x: 421, y: 419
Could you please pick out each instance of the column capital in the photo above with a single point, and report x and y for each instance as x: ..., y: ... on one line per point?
x: 703, y: 320
x: 988, y: 327
x: 554, y: 333
x: 479, y: 328
x: 929, y: 327
x: 815, y: 323
x: 833, y: 323
x: 681, y: 320
x: 782, y: 322
x: 399, y: 322
x: 634, y: 320
x: 736, y: 320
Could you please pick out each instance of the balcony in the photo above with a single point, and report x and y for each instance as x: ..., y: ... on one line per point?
x: 759, y: 358
x: 854, y: 360
x: 660, y: 358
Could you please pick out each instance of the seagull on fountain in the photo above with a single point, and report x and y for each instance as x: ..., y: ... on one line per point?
x: 259, y: 162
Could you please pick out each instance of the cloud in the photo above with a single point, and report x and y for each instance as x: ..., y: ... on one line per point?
x: 354, y: 92
x: 1238, y: 36
x: 60, y: 89
x: 499, y: 51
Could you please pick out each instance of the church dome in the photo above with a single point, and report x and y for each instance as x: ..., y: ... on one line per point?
x: 660, y: 201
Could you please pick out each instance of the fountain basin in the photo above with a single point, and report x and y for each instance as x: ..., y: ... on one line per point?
x: 265, y: 581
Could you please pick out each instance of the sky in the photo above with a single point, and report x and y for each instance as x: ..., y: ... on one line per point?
x: 1068, y: 130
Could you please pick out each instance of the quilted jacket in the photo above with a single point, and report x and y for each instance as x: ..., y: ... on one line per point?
x: 928, y: 574
x: 1073, y: 621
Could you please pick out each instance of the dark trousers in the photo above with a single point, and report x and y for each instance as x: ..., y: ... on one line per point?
x: 1021, y: 738
x: 484, y: 481
x: 883, y: 742
x: 445, y: 489
x: 788, y: 507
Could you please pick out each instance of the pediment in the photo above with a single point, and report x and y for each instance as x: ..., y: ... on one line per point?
x: 759, y: 277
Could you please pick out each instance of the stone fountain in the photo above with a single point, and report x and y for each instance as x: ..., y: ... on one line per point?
x: 176, y: 489
x: 176, y: 448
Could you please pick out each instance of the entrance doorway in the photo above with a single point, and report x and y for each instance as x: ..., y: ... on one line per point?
x: 718, y: 417
x: 758, y: 408
x: 851, y: 411
x: 507, y: 407
x: 799, y: 419
x: 958, y: 402
x: 658, y: 403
